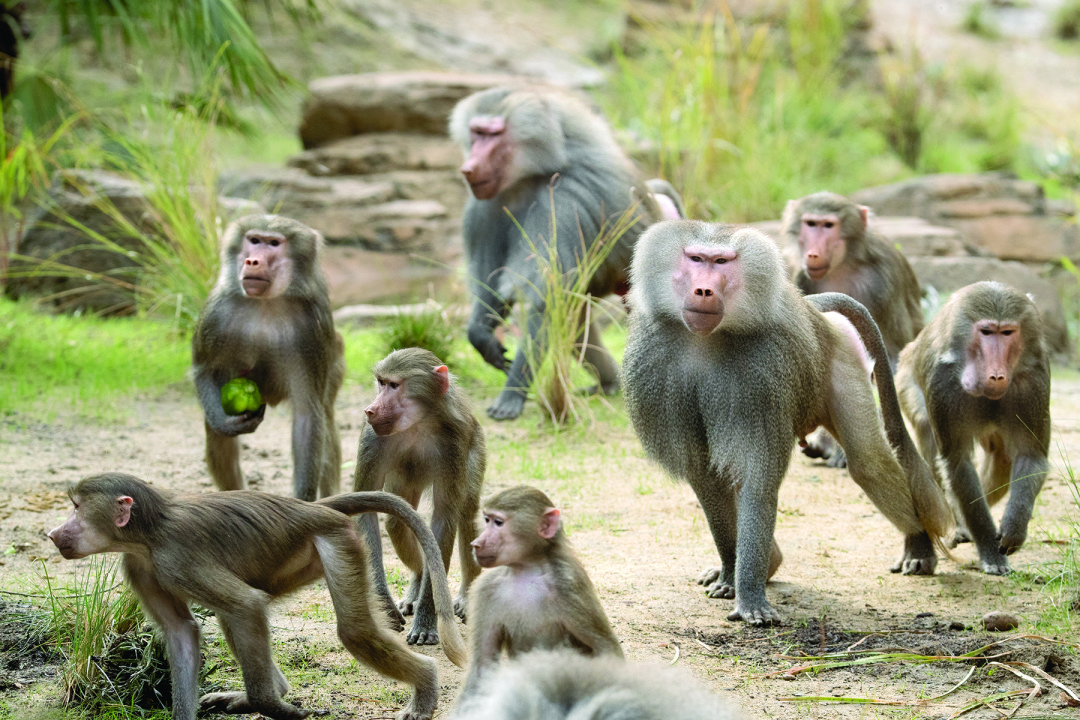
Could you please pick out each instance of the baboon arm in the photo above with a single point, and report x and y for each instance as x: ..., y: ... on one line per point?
x: 309, y: 427
x: 209, y: 391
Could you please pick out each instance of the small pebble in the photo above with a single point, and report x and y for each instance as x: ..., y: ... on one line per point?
x: 999, y: 622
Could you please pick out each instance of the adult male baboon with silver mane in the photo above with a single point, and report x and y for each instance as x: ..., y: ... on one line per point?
x: 727, y: 365
x: 542, y: 168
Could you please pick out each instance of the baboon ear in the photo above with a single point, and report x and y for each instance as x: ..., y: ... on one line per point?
x: 123, y: 510
x: 442, y: 375
x: 864, y: 211
x: 549, y: 523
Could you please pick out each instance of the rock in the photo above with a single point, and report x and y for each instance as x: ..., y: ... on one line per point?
x: 357, y: 276
x: 999, y: 622
x: 947, y: 274
x: 1008, y: 218
x: 380, y: 153
x: 87, y: 198
x: 406, y: 211
x: 400, y: 102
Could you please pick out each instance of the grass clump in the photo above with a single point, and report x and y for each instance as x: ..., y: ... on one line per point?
x: 569, y: 318
x: 745, y: 116
x: 978, y: 21
x: 1066, y: 22
x: 432, y: 329
x: 111, y: 658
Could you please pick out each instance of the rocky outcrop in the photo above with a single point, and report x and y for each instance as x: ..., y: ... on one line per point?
x: 82, y: 206
x: 1008, y: 218
x: 390, y: 102
x: 959, y: 229
x: 379, y: 179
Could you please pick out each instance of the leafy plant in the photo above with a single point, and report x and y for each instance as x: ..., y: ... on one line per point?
x: 569, y: 312
x: 110, y: 660
x: 978, y: 21
x: 1066, y: 21
x: 167, y: 252
x: 432, y: 329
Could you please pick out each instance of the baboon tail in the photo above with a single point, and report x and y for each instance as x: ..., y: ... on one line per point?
x: 354, y: 503
x: 931, y: 507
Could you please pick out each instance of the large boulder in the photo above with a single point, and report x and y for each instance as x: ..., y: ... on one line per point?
x: 404, y: 211
x: 398, y: 102
x: 83, y: 204
x: 1008, y: 218
x: 379, y: 153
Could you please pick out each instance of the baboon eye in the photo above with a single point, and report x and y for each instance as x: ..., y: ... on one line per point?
x: 1007, y: 332
x: 721, y: 261
x: 810, y: 223
x: 986, y: 331
x: 274, y: 243
x: 828, y: 224
x: 695, y: 258
x: 498, y: 522
x: 393, y: 385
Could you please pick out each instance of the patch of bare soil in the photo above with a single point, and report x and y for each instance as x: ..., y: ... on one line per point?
x: 643, y: 539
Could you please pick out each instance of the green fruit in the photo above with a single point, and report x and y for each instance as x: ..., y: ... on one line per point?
x: 239, y: 396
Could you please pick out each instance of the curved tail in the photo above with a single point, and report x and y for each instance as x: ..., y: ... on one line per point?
x: 931, y: 506
x: 354, y: 503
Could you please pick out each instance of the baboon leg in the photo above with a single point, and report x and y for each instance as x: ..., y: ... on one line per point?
x: 345, y: 564
x: 967, y: 488
x: 599, y: 360
x: 719, y: 581
x: 873, y: 464
x: 330, y: 477
x: 425, y: 627
x: 467, y: 532
x: 1028, y: 474
x: 223, y: 460
x: 247, y: 632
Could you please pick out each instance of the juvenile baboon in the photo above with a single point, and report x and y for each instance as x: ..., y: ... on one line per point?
x: 564, y: 685
x: 726, y: 366
x: 234, y: 553
x: 543, y: 168
x: 421, y: 434
x: 980, y: 372
x: 842, y: 253
x: 537, y: 594
x: 268, y: 319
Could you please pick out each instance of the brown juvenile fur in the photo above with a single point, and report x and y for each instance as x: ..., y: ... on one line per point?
x: 542, y: 599
x: 878, y: 275
x: 236, y: 552
x: 445, y: 451
x: 1013, y: 430
x: 286, y: 344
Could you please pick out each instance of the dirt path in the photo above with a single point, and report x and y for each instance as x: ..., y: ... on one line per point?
x: 643, y: 539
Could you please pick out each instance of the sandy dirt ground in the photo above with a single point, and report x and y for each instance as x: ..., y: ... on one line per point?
x: 643, y: 539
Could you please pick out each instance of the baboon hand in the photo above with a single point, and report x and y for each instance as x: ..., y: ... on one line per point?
x: 1012, y: 537
x: 233, y: 425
